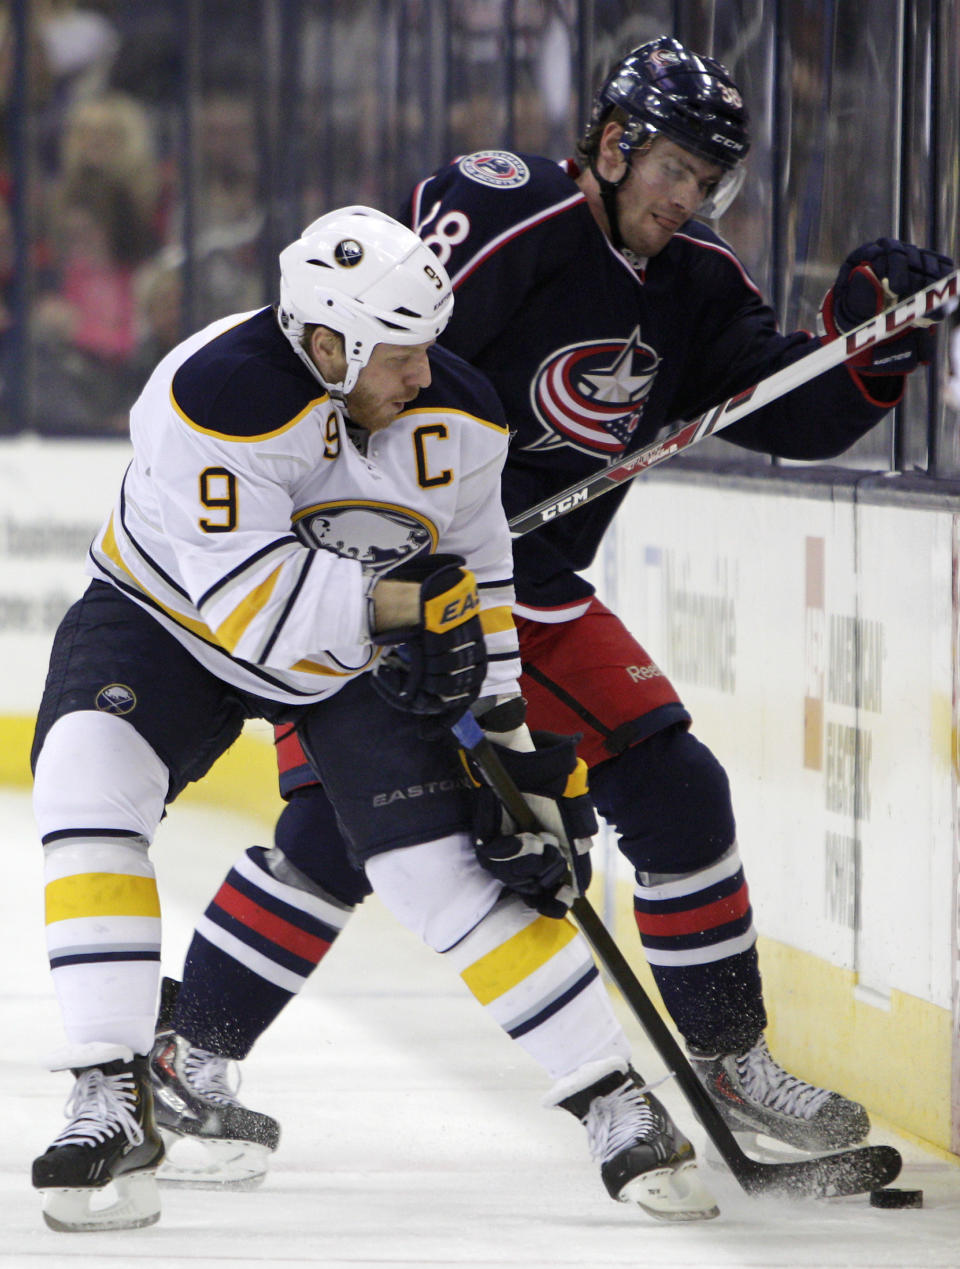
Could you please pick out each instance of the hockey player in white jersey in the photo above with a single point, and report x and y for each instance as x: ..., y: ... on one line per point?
x: 311, y: 531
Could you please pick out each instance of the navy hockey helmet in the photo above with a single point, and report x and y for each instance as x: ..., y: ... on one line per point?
x: 666, y: 90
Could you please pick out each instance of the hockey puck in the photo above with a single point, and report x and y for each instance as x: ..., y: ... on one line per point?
x: 890, y: 1197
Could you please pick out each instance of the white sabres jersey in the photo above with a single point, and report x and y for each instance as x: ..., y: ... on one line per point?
x: 248, y: 521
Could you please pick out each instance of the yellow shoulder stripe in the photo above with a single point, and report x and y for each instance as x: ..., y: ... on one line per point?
x: 248, y: 440
x: 445, y: 412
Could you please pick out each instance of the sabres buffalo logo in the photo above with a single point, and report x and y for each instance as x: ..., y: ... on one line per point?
x: 348, y: 253
x: 591, y: 395
x: 116, y: 698
x: 378, y: 535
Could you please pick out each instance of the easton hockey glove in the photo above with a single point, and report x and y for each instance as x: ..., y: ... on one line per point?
x: 870, y: 279
x: 534, y: 865
x: 439, y: 667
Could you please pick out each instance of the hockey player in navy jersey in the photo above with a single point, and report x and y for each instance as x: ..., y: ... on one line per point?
x: 311, y: 486
x: 602, y: 308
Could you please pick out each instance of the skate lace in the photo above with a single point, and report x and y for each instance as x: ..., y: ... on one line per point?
x: 618, y: 1120
x: 769, y: 1084
x: 209, y: 1074
x: 99, y: 1105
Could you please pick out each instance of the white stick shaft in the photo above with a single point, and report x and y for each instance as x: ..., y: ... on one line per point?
x: 886, y: 324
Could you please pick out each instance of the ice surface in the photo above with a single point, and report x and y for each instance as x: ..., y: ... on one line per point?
x: 412, y: 1128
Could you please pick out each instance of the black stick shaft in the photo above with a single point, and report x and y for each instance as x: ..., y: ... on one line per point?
x: 849, y: 1172
x: 610, y: 956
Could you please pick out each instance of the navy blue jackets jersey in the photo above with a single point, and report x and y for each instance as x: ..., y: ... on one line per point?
x: 593, y: 352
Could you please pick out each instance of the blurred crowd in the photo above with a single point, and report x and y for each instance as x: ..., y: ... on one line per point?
x: 155, y: 156
x: 162, y: 166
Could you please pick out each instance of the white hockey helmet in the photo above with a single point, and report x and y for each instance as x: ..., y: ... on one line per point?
x: 366, y: 276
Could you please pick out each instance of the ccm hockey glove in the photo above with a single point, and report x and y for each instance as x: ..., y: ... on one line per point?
x: 440, y: 664
x: 870, y: 279
x: 535, y: 865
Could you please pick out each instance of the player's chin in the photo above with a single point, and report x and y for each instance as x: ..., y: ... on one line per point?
x: 663, y: 228
x: 651, y: 238
x: 387, y: 414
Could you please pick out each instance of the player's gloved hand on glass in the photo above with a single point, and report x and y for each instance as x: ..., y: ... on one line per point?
x: 439, y: 661
x: 952, y: 384
x: 535, y: 865
x: 872, y: 278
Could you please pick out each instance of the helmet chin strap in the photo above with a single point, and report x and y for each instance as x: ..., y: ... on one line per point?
x: 338, y: 391
x: 608, y: 196
x: 608, y: 191
x: 335, y: 389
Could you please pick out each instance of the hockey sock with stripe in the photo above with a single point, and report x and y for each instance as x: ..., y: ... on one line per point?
x: 697, y: 932
x: 262, y: 935
x: 103, y: 935
x: 535, y: 977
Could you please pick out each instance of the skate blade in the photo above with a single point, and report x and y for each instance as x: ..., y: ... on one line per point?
x: 202, y: 1163
x: 129, y: 1202
x: 671, y: 1194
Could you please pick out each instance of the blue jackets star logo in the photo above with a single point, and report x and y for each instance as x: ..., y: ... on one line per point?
x: 591, y: 395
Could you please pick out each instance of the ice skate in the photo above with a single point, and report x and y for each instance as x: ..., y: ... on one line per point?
x: 100, y: 1172
x: 213, y: 1141
x: 644, y: 1158
x: 757, y: 1097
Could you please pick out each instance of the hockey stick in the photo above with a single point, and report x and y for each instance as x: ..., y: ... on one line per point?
x: 891, y: 321
x: 827, y: 1176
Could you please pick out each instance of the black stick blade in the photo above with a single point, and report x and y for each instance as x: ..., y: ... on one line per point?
x: 828, y: 1176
